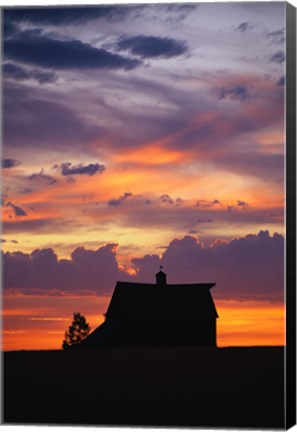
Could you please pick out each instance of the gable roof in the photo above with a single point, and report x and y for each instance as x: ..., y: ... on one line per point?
x: 150, y: 300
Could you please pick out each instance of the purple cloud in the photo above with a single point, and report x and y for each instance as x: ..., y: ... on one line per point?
x: 115, y: 202
x: 278, y: 57
x: 62, y: 125
x: 152, y: 46
x: 277, y: 36
x: 42, y: 272
x: 34, y: 48
x: 44, y: 178
x: 80, y: 169
x: 18, y: 73
x: 281, y: 81
x: 243, y: 27
x: 247, y: 268
x: 237, y: 93
x: 166, y: 199
x: 10, y: 163
x: 18, y: 211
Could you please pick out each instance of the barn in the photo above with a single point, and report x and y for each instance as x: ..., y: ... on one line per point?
x: 155, y: 315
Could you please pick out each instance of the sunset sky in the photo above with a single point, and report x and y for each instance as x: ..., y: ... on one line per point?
x: 136, y: 136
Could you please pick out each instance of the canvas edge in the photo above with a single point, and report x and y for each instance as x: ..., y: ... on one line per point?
x: 290, y: 357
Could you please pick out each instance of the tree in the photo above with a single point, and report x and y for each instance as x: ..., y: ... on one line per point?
x: 78, y: 331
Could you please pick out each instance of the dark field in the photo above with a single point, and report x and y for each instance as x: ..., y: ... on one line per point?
x: 231, y: 387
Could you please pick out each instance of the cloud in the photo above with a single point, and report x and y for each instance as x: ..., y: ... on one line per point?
x: 115, y: 202
x: 166, y: 199
x: 44, y: 51
x: 60, y: 16
x: 246, y: 268
x: 237, y: 93
x: 80, y: 169
x: 152, y: 46
x: 47, y: 121
x: 277, y: 36
x: 278, y: 57
x: 18, y: 211
x: 10, y: 163
x: 25, y: 190
x: 40, y: 225
x: 204, y: 220
x: 204, y: 204
x: 281, y: 81
x: 41, y: 272
x: 242, y: 203
x: 2, y: 240
x: 9, y: 28
x: 16, y: 72
x: 43, y: 178
x: 243, y: 27
x: 268, y: 167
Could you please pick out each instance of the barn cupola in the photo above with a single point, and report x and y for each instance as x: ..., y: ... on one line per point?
x: 161, y: 278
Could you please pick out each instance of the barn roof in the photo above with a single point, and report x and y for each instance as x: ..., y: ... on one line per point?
x: 151, y: 300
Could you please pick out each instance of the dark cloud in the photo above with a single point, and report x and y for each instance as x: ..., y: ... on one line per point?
x: 10, y: 163
x: 16, y: 72
x: 43, y: 178
x: 178, y: 7
x: 192, y: 231
x: 242, y: 203
x: 79, y: 169
x: 278, y: 57
x: 243, y: 27
x: 46, y: 52
x: 72, y: 15
x: 166, y: 199
x: 152, y: 46
x: 281, y: 81
x: 31, y: 119
x: 42, y: 271
x: 9, y: 29
x: 203, y: 203
x: 18, y: 211
x: 115, y: 202
x: 237, y: 93
x: 25, y: 190
x: 39, y: 225
x: 247, y: 268
x: 204, y: 220
x: 11, y: 70
x: 277, y: 36
x: 44, y: 77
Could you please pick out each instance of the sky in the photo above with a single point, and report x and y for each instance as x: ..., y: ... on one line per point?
x: 136, y: 136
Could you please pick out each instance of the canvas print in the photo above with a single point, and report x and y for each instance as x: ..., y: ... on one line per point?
x: 143, y: 199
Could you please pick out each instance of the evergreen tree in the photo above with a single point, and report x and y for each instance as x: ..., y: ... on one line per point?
x: 78, y: 331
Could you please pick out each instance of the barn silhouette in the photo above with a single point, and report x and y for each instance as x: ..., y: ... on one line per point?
x: 160, y: 314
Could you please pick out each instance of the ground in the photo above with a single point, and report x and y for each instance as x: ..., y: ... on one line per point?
x: 191, y: 387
